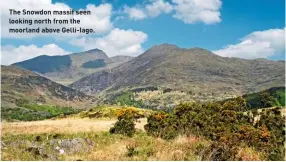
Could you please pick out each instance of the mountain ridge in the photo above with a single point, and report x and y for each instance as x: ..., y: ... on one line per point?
x: 72, y: 66
x: 21, y: 84
x: 192, y: 69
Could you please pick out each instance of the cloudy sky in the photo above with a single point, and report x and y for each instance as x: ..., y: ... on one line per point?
x: 230, y: 28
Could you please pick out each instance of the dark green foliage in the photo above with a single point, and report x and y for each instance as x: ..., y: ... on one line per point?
x: 94, y: 64
x: 125, y: 124
x: 30, y: 112
x: 127, y: 99
x: 22, y: 114
x: 268, y: 98
x: 226, y: 125
x: 162, y: 125
x: 44, y: 64
x: 53, y: 110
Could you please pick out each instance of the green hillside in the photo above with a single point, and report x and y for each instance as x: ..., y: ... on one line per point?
x: 32, y: 112
x: 271, y: 97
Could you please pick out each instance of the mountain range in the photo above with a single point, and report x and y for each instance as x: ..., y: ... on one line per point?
x: 163, y: 75
x: 68, y: 68
x: 193, y: 70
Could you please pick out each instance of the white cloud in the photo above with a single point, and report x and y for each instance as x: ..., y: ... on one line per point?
x: 188, y: 11
x: 157, y: 7
x: 11, y: 54
x: 99, y: 20
x: 193, y: 11
x: 153, y: 9
x: 117, y: 42
x: 135, y: 13
x: 259, y: 44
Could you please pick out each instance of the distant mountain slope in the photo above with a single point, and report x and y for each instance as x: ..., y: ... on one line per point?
x: 192, y: 70
x: 121, y: 59
x: 45, y: 64
x: 18, y: 85
x: 78, y: 59
x: 71, y: 67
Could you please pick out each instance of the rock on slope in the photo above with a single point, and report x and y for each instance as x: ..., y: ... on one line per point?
x: 190, y: 70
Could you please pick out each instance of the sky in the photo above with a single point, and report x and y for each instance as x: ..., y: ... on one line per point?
x: 246, y: 29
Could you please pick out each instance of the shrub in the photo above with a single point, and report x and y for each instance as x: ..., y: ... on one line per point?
x: 226, y: 125
x: 158, y: 125
x: 124, y: 126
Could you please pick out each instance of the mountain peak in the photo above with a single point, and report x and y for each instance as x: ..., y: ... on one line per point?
x: 200, y: 50
x: 93, y: 50
x: 164, y: 46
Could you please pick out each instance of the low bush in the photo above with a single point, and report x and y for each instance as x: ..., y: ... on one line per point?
x: 126, y: 122
x: 226, y: 125
x: 124, y: 126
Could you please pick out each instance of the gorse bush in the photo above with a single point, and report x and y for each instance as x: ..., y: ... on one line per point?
x: 124, y: 126
x: 227, y: 125
x: 126, y: 122
x: 272, y: 132
x: 162, y: 125
x: 128, y: 113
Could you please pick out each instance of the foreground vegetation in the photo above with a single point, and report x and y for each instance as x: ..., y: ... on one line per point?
x: 101, y: 146
x: 227, y: 130
x: 227, y: 126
